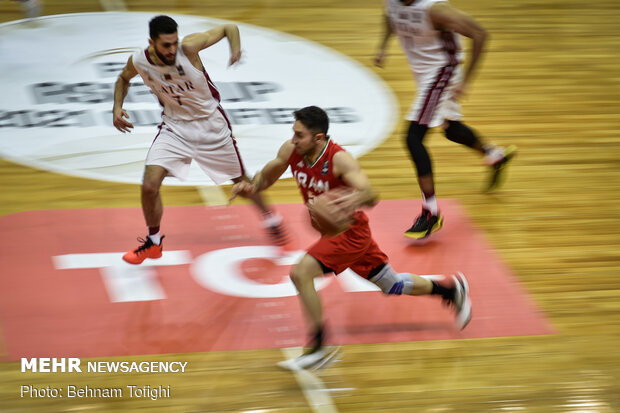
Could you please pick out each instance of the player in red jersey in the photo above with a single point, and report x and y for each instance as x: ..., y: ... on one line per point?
x: 318, y: 165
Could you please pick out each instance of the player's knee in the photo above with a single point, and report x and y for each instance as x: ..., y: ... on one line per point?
x: 150, y: 188
x: 299, y: 277
x: 415, y: 136
x: 295, y: 278
x: 391, y: 282
x: 418, y: 152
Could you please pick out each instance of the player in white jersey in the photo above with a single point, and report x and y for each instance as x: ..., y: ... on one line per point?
x: 194, y: 125
x: 428, y: 32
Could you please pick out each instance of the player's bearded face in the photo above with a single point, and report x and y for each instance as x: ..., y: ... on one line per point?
x: 303, y: 139
x: 165, y: 47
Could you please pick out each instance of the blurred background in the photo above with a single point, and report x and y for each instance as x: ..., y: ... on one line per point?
x: 543, y: 253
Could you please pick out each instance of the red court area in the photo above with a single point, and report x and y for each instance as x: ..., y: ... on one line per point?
x: 65, y: 292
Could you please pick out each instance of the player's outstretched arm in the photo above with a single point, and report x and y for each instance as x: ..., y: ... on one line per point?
x: 194, y: 43
x: 119, y: 115
x: 267, y: 176
x: 385, y: 37
x: 349, y: 169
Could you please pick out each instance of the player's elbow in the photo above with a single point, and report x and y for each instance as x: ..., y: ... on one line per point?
x: 230, y: 29
x: 372, y: 198
x: 481, y: 34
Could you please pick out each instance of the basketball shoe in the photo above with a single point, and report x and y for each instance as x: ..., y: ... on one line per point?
x: 144, y: 251
x: 314, y: 359
x: 498, y: 159
x: 276, y: 230
x: 460, y: 301
x: 425, y: 225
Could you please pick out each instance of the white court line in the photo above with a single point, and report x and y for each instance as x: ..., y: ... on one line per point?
x: 113, y: 5
x: 312, y: 387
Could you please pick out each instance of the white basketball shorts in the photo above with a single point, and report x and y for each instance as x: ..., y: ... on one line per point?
x: 435, y: 100
x: 209, y: 142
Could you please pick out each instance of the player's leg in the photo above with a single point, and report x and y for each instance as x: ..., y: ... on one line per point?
x: 429, y: 220
x: 496, y: 157
x: 169, y: 155
x: 272, y: 222
x: 455, y: 294
x: 458, y: 132
x: 152, y: 209
x: 425, y: 113
x: 449, y: 110
x: 303, y: 275
x: 218, y: 156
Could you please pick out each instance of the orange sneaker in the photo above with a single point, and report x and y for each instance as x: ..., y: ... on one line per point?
x: 146, y: 250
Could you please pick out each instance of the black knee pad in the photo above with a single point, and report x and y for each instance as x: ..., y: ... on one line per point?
x: 460, y: 133
x: 418, y: 152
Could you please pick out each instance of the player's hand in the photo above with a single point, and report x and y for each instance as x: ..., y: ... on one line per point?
x: 346, y: 200
x: 234, y: 58
x: 460, y: 90
x: 380, y: 58
x: 243, y: 188
x: 119, y: 121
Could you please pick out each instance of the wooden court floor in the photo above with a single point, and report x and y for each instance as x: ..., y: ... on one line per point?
x: 550, y: 84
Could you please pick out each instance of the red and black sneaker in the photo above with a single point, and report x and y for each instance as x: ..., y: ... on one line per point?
x: 425, y: 225
x: 144, y: 251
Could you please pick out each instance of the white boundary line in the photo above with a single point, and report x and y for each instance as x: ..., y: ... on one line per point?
x: 312, y: 387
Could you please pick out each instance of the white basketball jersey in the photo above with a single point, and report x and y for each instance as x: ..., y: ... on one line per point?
x: 425, y: 47
x: 185, y: 92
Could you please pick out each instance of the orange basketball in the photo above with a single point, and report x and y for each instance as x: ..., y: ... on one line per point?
x: 327, y: 215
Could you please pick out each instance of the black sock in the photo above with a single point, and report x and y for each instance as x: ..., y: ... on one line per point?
x: 445, y: 292
x: 317, y: 339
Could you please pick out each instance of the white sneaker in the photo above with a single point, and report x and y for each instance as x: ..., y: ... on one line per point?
x: 315, y: 360
x: 462, y: 303
x: 493, y: 156
x: 498, y: 160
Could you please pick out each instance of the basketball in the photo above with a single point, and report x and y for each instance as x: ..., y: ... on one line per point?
x: 327, y: 214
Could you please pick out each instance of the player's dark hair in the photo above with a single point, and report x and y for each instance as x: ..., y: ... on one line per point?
x: 161, y: 24
x: 313, y: 118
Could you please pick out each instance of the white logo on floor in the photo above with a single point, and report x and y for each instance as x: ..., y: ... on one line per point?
x: 58, y: 82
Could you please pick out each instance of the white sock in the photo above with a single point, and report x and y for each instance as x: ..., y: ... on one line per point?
x: 493, y: 155
x: 430, y: 203
x: 156, y: 238
x: 271, y: 220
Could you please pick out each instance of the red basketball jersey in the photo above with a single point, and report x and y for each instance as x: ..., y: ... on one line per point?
x: 314, y: 179
x: 354, y: 248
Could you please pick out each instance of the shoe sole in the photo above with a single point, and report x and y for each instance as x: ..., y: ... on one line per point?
x: 498, y: 172
x: 140, y: 262
x: 426, y: 234
x: 464, y: 316
x: 320, y: 363
x: 328, y: 359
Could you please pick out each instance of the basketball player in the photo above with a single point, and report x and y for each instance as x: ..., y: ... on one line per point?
x: 428, y: 33
x: 194, y: 125
x: 318, y: 164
